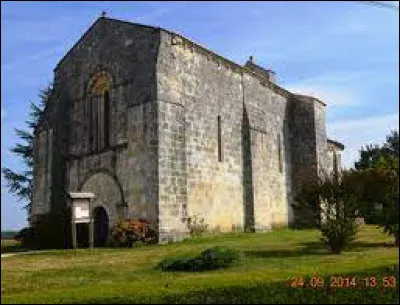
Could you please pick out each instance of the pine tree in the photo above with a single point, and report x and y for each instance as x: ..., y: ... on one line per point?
x: 21, y: 183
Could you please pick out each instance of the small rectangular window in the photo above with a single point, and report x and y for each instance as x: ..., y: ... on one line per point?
x: 338, y: 162
x: 219, y: 140
x: 280, y: 154
x: 90, y: 125
x: 106, y: 119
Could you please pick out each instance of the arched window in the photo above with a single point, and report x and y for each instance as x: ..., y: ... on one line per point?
x: 99, y: 122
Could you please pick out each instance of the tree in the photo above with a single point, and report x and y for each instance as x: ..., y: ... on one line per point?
x: 378, y: 178
x: 330, y: 204
x: 392, y: 144
x: 375, y: 162
x: 21, y: 183
x: 390, y: 203
x: 373, y: 156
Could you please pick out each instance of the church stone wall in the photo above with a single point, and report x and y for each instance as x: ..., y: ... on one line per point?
x: 270, y: 151
x: 128, y: 54
x: 303, y: 142
x: 43, y: 151
x: 320, y: 137
x: 168, y: 100
x: 310, y: 158
x: 194, y: 88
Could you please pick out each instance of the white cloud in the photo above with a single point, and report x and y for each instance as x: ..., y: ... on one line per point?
x: 391, y: 3
x: 152, y: 16
x: 3, y: 113
x: 349, y: 28
x: 357, y: 133
x: 47, y: 54
x: 340, y: 77
x: 341, y: 88
x: 157, y: 10
x: 331, y: 95
x: 328, y: 89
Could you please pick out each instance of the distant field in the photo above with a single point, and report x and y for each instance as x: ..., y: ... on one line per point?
x: 270, y: 262
x: 10, y: 245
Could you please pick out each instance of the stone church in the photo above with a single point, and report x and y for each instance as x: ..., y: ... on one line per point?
x: 159, y: 127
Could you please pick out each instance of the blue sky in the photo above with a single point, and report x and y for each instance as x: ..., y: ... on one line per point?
x: 345, y: 53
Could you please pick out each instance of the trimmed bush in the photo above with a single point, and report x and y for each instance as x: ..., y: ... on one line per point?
x: 130, y: 232
x: 48, y: 231
x: 210, y: 259
x: 24, y: 234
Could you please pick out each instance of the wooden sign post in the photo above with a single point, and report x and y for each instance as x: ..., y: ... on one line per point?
x: 81, y: 204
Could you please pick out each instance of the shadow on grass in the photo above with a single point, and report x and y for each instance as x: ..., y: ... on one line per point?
x: 311, y: 248
x: 361, y: 245
x: 315, y: 248
x: 268, y: 293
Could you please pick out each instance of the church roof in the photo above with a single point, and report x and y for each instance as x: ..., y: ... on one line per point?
x: 336, y: 143
x: 263, y: 79
x: 308, y: 97
x: 89, y: 30
x: 243, y: 68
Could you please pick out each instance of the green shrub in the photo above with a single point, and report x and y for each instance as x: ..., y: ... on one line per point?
x: 48, y: 231
x: 307, y: 208
x: 130, y: 232
x: 337, y: 233
x: 175, y: 264
x: 331, y: 205
x: 218, y: 257
x: 210, y: 259
x: 196, y: 226
x: 24, y: 234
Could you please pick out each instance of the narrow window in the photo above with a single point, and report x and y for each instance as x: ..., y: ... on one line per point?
x: 106, y: 119
x: 219, y: 140
x: 95, y: 124
x: 91, y: 124
x: 335, y: 165
x: 338, y: 162
x: 280, y: 154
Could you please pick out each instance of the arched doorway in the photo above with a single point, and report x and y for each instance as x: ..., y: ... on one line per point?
x: 108, y: 195
x: 101, y: 227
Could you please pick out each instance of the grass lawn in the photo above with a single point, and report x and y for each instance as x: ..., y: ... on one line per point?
x: 269, y: 262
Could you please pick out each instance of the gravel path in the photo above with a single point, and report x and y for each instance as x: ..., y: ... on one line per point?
x: 18, y: 253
